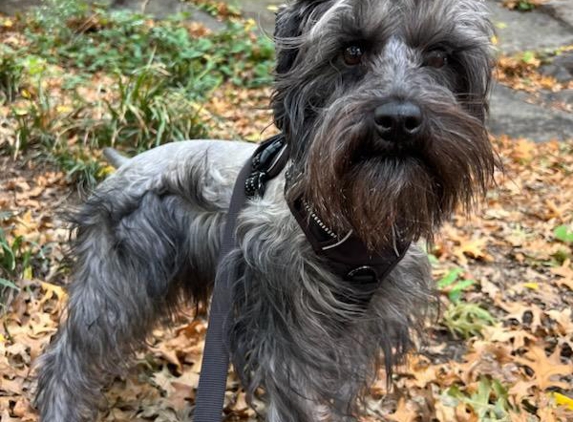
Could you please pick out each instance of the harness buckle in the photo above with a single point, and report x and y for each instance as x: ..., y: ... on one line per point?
x: 268, y: 161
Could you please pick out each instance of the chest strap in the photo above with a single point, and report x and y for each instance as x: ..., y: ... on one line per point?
x: 347, y: 256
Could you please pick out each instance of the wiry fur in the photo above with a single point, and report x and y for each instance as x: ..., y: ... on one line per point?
x: 354, y: 181
x: 147, y: 240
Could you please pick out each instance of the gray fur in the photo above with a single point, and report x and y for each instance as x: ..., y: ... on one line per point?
x: 147, y: 240
x: 114, y: 157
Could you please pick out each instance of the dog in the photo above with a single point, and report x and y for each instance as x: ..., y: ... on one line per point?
x: 382, y: 105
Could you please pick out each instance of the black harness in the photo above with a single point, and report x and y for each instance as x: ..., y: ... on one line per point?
x: 345, y: 256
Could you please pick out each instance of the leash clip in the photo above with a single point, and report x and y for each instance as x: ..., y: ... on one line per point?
x: 255, y: 184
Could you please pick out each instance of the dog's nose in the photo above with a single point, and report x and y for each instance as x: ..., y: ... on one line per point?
x: 398, y: 120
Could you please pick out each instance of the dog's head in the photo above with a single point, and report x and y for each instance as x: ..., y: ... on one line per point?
x: 383, y: 103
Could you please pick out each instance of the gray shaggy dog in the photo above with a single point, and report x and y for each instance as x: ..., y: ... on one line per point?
x: 382, y: 104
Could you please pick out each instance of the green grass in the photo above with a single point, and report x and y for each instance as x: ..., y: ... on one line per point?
x: 93, y: 39
x: 162, y: 74
x: 10, y: 75
x: 147, y: 114
x: 39, y: 125
x: 19, y: 259
x: 81, y: 169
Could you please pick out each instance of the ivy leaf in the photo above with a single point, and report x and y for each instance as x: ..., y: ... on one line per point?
x: 564, y: 233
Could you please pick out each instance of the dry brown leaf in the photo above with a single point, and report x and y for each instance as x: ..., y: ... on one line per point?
x: 499, y: 333
x: 523, y: 151
x: 521, y: 389
x: 564, y: 319
x: 518, y: 311
x: 181, y: 395
x: 545, y: 368
x: 423, y: 371
x: 565, y: 271
x: 404, y: 412
x: 475, y: 249
x: 5, y: 416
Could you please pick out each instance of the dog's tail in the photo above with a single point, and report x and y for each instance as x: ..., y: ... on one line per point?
x: 114, y: 158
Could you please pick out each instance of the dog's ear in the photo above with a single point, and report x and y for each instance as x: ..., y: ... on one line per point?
x: 287, y: 26
x: 289, y: 23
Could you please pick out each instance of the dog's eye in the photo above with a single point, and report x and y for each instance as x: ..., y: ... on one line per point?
x: 353, y: 55
x: 436, y: 59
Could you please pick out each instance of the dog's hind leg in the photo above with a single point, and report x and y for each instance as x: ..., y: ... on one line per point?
x: 133, y: 260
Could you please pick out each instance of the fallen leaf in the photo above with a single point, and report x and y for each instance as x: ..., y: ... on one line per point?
x: 545, y: 368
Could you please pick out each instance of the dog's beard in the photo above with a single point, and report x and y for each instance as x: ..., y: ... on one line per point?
x: 380, y: 190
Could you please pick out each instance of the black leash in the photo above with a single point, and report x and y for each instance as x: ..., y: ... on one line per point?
x: 267, y: 162
x: 213, y: 379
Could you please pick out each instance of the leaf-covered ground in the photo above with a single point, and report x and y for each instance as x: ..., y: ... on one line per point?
x: 500, y: 349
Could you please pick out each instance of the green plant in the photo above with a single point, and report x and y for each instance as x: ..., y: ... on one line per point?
x: 148, y: 113
x: 490, y: 402
x: 83, y: 170
x: 461, y: 318
x: 525, y: 5
x: 38, y: 124
x: 11, y: 73
x: 12, y: 256
x: 94, y: 39
x: 17, y: 258
x: 52, y: 13
x: 529, y: 57
x: 17, y: 255
x: 564, y: 233
x: 454, y: 285
x: 466, y: 319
